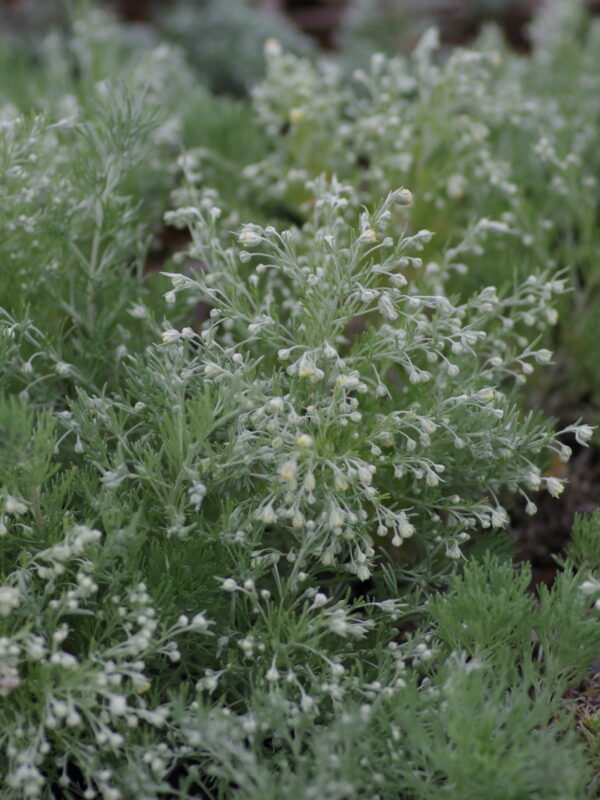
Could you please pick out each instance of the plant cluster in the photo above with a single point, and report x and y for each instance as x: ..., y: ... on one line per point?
x: 254, y: 510
x: 499, y: 151
x: 223, y: 39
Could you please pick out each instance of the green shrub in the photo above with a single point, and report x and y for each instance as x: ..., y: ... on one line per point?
x: 262, y: 551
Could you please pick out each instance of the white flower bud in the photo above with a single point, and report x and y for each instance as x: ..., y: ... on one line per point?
x: 590, y: 587
x: 275, y: 404
x: 499, y: 517
x: 583, y: 434
x: 288, y: 470
x: 402, y: 196
x: 554, y: 486
x: 336, y: 518
x: 386, y: 307
x: 453, y: 550
x: 309, y: 482
x: 200, y: 623
x: 170, y: 336
x: 543, y: 356
x: 319, y: 600
x: 14, y: 506
x: 369, y: 235
x: 118, y: 705
x: 365, y: 475
x: 405, y: 528
x: 62, y: 368
x: 249, y: 235
x: 267, y: 515
x: 9, y: 599
x: 306, y: 367
x: 329, y: 352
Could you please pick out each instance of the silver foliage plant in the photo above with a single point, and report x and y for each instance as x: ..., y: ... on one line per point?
x: 217, y: 559
x: 371, y: 408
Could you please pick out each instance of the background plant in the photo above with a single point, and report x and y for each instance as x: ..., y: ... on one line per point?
x: 224, y: 40
x: 85, y: 136
x: 484, y: 138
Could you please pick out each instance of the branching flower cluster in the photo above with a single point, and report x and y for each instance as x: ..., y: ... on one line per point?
x: 405, y: 423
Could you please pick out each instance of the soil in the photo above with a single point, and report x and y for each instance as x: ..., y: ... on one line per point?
x: 544, y: 536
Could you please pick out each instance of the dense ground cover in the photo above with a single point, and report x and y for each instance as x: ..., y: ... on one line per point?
x: 267, y: 408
